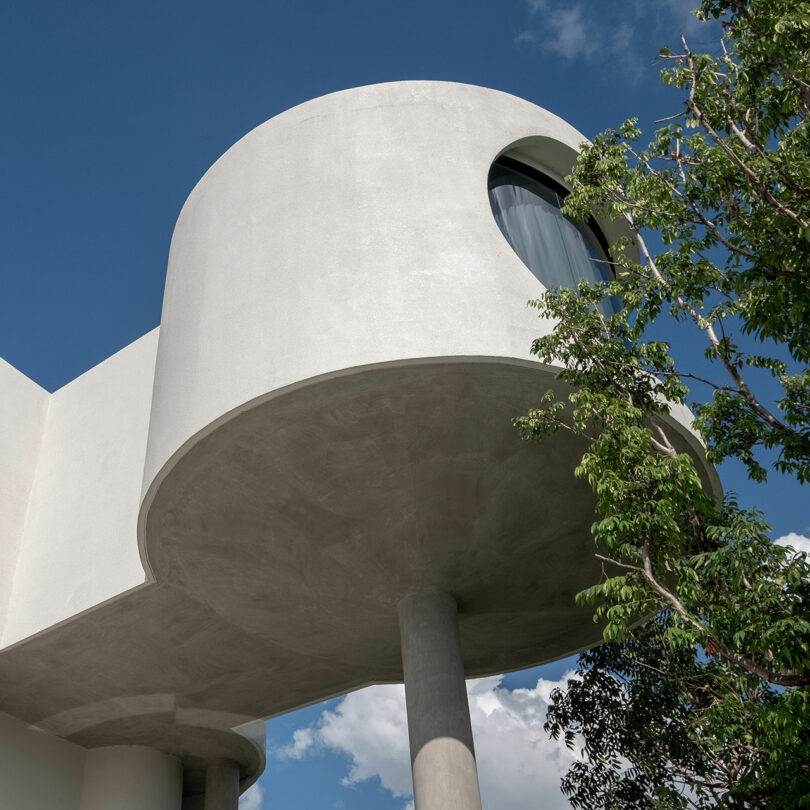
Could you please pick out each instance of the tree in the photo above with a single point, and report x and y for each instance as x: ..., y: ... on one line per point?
x: 664, y: 727
x: 725, y: 186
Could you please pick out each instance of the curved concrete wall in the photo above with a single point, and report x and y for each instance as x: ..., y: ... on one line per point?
x: 37, y: 770
x: 353, y: 229
x: 131, y: 777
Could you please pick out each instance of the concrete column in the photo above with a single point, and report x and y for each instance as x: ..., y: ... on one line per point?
x: 222, y: 785
x: 442, y: 753
x: 131, y: 777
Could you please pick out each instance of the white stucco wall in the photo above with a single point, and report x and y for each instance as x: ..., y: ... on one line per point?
x: 23, y: 406
x: 353, y: 229
x: 79, y: 540
x: 38, y: 771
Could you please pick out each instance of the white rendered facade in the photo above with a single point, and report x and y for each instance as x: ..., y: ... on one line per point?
x: 229, y: 518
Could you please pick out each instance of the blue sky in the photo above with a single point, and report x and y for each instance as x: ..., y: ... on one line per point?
x: 113, y: 111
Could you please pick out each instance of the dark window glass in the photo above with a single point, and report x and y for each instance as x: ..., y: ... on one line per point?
x: 560, y: 251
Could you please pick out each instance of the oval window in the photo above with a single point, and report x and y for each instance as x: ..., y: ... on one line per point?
x: 559, y: 251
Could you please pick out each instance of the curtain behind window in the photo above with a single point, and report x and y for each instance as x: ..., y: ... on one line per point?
x: 550, y: 245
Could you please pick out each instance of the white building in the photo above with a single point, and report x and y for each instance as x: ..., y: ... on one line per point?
x: 235, y: 515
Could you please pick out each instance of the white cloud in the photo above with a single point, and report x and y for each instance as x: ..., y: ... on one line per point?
x: 681, y: 17
x: 562, y: 29
x: 798, y: 541
x: 251, y: 799
x: 370, y: 727
x: 622, y: 37
x: 303, y: 740
x: 570, y: 34
x: 516, y: 760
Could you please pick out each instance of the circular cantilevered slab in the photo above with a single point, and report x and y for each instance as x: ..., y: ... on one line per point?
x: 304, y: 518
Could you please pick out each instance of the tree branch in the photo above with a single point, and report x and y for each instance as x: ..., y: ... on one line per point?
x: 753, y: 403
x: 735, y: 159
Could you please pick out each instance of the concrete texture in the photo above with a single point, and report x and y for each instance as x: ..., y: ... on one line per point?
x: 138, y: 671
x: 221, y: 785
x: 320, y: 427
x: 439, y: 730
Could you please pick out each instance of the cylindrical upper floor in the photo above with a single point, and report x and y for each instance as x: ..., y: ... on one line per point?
x: 354, y: 229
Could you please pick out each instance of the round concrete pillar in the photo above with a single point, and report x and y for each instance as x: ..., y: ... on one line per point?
x: 222, y: 785
x: 442, y: 752
x: 131, y: 777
